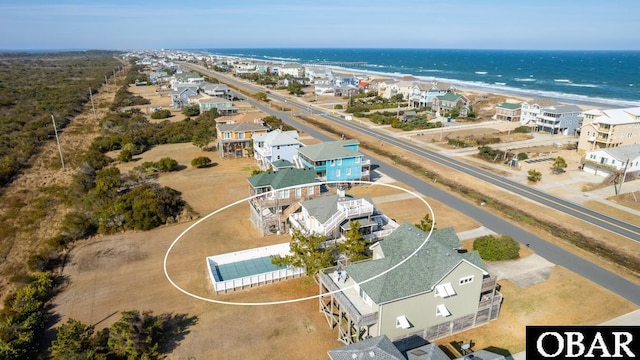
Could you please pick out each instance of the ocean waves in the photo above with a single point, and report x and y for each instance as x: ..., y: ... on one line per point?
x: 587, y: 76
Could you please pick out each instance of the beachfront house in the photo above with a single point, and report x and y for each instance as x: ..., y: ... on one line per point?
x: 531, y: 109
x: 334, y: 160
x: 508, y: 111
x: 559, y: 119
x: 294, y: 70
x: 324, y: 89
x: 275, y: 145
x: 331, y: 216
x: 609, y: 128
x: 623, y: 161
x: 436, y: 292
x: 233, y: 139
x: 448, y: 102
x: 283, y: 191
x: 422, y: 94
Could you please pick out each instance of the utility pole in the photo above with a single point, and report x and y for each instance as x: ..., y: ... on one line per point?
x: 55, y: 130
x: 624, y: 175
x: 106, y: 82
x: 93, y: 106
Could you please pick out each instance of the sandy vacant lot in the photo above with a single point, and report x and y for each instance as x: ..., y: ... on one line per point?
x: 111, y: 274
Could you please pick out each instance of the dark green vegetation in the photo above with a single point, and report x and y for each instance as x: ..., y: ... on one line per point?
x: 497, y: 248
x: 161, y: 114
x: 534, y: 175
x: 97, y: 199
x: 366, y: 103
x: 310, y: 251
x: 35, y: 86
x: 520, y: 215
x: 201, y: 162
x: 426, y: 223
x: 135, y: 336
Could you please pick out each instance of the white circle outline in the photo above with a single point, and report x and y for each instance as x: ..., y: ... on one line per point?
x: 166, y: 273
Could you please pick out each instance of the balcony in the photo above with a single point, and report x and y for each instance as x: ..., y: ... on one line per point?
x: 350, y: 302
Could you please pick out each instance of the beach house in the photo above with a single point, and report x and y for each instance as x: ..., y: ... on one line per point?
x: 531, y: 110
x: 224, y: 106
x: 437, y: 291
x: 609, y: 128
x: 508, y: 111
x: 449, y: 102
x: 623, y: 161
x: 233, y: 139
x: 335, y: 160
x: 559, y: 119
x: 283, y: 191
x: 275, y: 145
x: 331, y: 216
x: 422, y: 93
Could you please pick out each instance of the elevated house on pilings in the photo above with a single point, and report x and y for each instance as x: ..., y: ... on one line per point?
x: 283, y: 190
x: 331, y: 216
x: 439, y: 291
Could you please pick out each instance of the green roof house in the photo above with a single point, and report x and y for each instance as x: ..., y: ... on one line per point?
x: 437, y: 290
x: 508, y: 111
x: 278, y: 194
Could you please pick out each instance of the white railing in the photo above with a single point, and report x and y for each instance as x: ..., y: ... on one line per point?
x: 255, y: 280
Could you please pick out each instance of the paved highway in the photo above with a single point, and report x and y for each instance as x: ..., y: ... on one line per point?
x: 551, y: 252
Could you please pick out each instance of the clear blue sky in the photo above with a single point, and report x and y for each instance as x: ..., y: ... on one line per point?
x: 171, y: 24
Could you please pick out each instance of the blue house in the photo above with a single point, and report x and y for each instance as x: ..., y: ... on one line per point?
x: 335, y: 160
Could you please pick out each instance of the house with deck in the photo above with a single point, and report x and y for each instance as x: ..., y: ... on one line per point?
x: 217, y: 90
x: 437, y: 290
x: 282, y: 190
x: 450, y: 101
x: 559, y: 119
x: 332, y: 215
x: 335, y: 160
x: 233, y: 139
x: 508, y: 111
x: 623, y: 161
x: 609, y: 128
x: 422, y: 93
x: 532, y: 108
x: 224, y: 106
x: 275, y: 145
x: 181, y: 94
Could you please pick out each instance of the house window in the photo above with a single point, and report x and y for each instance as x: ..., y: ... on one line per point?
x: 283, y: 194
x: 466, y: 280
x: 298, y: 192
x: 444, y: 290
x: 338, y: 173
x: 613, y: 161
x: 348, y: 172
x: 357, y: 160
x: 402, y: 322
x: 310, y: 190
x: 331, y: 162
x: 227, y: 135
x: 442, y: 310
x: 339, y: 162
x: 241, y: 135
x: 278, y: 147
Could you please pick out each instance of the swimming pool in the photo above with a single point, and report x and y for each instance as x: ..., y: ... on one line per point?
x: 248, y: 268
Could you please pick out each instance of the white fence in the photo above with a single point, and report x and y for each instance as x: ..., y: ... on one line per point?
x: 254, y: 280
x: 222, y: 285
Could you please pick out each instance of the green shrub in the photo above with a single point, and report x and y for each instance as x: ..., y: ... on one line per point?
x: 522, y: 129
x: 200, y: 162
x: 522, y: 156
x: 167, y: 164
x: 534, y: 175
x: 161, y: 114
x: 191, y: 110
x: 338, y: 107
x: 497, y: 248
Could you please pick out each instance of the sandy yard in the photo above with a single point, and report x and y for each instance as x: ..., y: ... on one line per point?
x: 110, y: 274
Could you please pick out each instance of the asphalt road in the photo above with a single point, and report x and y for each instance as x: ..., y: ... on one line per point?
x: 549, y: 251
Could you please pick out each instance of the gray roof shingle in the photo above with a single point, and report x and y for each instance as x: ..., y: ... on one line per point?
x: 380, y: 348
x: 417, y: 275
x: 283, y: 178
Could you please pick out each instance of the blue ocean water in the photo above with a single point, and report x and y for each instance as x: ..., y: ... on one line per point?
x: 597, y: 77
